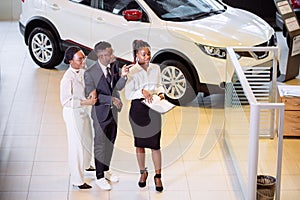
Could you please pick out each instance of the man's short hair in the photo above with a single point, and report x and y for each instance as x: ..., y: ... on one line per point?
x: 101, y: 46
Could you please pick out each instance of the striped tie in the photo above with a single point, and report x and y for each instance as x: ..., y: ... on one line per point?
x: 108, y: 75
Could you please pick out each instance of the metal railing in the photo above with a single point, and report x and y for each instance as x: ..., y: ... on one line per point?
x: 251, y: 112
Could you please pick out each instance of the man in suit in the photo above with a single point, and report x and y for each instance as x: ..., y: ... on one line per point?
x: 105, y: 77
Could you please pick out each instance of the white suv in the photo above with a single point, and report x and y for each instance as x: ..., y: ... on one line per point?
x: 188, y: 37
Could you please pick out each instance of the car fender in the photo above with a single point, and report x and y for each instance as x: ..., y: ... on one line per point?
x: 165, y: 54
x: 40, y: 21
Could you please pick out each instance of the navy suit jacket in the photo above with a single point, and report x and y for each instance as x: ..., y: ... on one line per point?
x: 95, y: 79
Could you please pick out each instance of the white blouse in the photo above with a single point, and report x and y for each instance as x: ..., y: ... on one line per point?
x: 72, y: 88
x: 139, y: 79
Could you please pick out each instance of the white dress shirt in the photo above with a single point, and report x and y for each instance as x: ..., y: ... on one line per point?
x: 103, y: 67
x: 139, y: 79
x: 72, y: 88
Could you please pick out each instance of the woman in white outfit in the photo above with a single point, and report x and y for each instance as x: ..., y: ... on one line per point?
x: 76, y: 116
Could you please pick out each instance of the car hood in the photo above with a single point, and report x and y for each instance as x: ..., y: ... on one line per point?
x: 234, y: 27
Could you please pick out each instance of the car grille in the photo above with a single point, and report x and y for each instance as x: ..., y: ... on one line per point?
x: 259, y: 54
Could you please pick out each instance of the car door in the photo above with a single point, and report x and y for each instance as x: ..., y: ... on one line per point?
x: 72, y: 19
x: 108, y: 24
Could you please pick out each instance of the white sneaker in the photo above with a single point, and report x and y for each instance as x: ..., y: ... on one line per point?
x: 111, y: 176
x: 103, y: 184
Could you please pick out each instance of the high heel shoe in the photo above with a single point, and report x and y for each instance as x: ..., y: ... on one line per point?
x: 158, y: 183
x: 84, y: 186
x: 144, y: 174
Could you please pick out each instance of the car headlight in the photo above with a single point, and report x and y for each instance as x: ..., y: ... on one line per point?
x: 217, y: 52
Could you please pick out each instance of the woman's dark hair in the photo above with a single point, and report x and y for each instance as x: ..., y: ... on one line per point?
x: 137, y: 45
x: 70, y: 52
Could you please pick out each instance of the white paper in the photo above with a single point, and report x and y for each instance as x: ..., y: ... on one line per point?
x: 296, y: 46
x: 284, y: 7
x: 159, y: 105
x: 289, y: 90
x: 292, y: 24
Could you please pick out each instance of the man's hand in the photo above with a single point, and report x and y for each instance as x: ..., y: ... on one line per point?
x: 117, y: 102
x: 93, y: 97
x: 125, y: 69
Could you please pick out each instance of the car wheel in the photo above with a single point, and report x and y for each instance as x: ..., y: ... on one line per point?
x: 177, y: 82
x: 44, y: 49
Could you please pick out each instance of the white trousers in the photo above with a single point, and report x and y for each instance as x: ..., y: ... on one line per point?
x: 80, y: 142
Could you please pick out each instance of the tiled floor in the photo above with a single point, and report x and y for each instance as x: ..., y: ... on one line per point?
x: 33, y: 143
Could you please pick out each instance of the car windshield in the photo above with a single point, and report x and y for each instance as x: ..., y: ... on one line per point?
x: 185, y: 10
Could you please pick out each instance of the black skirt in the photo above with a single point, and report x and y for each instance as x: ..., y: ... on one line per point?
x: 145, y: 124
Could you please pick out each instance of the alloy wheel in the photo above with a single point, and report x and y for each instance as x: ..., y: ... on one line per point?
x: 174, y: 82
x: 42, y: 47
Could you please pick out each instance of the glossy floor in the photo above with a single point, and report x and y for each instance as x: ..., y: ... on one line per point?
x: 33, y: 143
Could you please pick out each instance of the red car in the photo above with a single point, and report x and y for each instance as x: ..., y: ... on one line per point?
x: 295, y: 4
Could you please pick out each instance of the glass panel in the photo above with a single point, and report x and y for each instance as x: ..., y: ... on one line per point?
x: 237, y: 127
x: 248, y: 88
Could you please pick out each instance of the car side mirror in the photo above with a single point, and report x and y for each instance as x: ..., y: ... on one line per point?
x: 132, y: 15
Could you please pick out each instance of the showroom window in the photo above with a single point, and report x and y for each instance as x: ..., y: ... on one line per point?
x: 118, y: 6
x: 84, y: 2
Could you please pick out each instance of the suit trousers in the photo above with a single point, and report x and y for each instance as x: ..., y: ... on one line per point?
x: 104, y: 139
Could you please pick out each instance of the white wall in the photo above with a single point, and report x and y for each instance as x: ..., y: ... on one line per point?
x: 10, y: 9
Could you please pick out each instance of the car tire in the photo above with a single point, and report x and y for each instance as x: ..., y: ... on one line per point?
x: 177, y: 82
x: 44, y: 48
